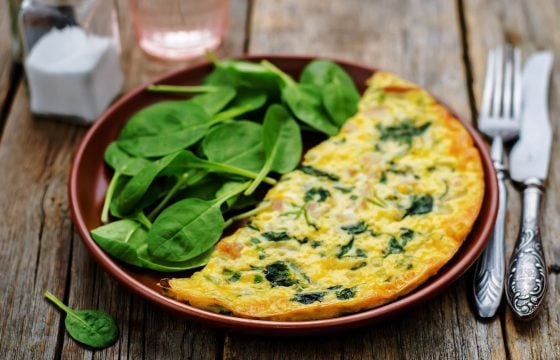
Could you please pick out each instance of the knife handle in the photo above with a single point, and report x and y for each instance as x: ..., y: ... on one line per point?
x: 488, y: 281
x: 527, y: 278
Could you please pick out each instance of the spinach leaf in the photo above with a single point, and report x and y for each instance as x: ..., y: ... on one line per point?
x: 279, y: 274
x: 339, y: 94
x: 164, y: 128
x: 245, y: 101
x: 116, y: 239
x: 282, y: 144
x: 304, y: 100
x: 420, y: 205
x: 188, y: 228
x: 309, y: 298
x: 93, y: 328
x: 122, y: 162
x: 135, y: 189
x: 186, y: 160
x: 214, y: 102
x: 238, y: 144
x: 243, y: 74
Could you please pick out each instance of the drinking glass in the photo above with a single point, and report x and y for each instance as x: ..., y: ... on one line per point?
x: 179, y: 29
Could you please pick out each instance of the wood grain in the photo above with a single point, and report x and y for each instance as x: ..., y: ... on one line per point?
x: 6, y: 61
x: 531, y: 26
x: 421, y: 41
x: 39, y: 249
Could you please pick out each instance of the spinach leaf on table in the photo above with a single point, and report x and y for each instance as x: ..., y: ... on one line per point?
x: 164, y: 128
x: 339, y: 93
x: 238, y: 144
x: 282, y: 144
x: 93, y: 328
x: 188, y: 228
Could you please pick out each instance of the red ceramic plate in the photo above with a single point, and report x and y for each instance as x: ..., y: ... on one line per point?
x: 89, y: 178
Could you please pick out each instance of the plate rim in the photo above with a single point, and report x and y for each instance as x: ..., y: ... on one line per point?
x: 439, y: 281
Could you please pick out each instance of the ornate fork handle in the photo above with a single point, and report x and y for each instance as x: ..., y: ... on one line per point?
x: 527, y: 278
x: 488, y: 282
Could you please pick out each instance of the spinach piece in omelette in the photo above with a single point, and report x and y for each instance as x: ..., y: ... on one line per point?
x: 345, y: 294
x: 420, y: 205
x: 278, y: 274
x: 309, y: 298
x: 393, y: 247
x: 276, y: 236
x: 310, y: 170
x: 403, y: 132
x: 317, y: 194
x: 355, y: 229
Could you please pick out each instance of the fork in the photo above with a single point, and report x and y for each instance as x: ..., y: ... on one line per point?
x: 499, y: 119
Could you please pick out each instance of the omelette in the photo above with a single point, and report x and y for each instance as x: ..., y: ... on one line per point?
x: 368, y: 216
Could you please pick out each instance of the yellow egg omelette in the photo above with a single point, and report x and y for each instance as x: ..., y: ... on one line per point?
x: 368, y: 216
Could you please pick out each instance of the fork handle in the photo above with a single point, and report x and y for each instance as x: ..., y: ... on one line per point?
x: 527, y: 278
x: 488, y: 281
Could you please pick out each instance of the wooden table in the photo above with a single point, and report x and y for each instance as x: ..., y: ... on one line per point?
x: 440, y: 44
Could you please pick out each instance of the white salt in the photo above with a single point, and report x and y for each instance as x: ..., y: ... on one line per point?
x: 71, y: 73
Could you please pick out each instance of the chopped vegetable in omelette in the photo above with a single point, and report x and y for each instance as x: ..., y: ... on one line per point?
x: 369, y: 215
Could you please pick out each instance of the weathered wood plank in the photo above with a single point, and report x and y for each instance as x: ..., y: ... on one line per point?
x: 39, y: 249
x: 6, y: 61
x: 532, y: 26
x: 146, y: 331
x: 420, y: 40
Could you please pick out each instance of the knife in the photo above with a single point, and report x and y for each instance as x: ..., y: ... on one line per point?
x: 526, y: 280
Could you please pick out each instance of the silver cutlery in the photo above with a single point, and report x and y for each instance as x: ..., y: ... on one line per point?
x: 529, y: 159
x: 500, y: 120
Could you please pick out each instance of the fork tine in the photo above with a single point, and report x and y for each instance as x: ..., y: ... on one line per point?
x: 498, y: 82
x: 488, y: 84
x: 507, y: 109
x: 517, y: 80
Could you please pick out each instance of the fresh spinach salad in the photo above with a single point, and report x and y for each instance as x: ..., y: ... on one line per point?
x: 185, y: 170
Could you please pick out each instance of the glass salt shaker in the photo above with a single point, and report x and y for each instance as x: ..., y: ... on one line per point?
x: 71, y: 54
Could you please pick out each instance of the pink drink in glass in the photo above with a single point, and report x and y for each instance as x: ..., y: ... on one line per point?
x: 179, y: 29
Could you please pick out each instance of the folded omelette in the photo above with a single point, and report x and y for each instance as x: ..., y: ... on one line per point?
x: 368, y: 216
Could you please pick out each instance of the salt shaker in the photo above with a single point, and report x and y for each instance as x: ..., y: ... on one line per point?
x: 71, y: 54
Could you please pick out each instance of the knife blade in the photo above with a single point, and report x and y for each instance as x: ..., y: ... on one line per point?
x: 529, y: 161
x: 530, y: 156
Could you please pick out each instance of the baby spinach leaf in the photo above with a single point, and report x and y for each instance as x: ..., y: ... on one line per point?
x: 238, y: 144
x: 135, y: 189
x: 245, y: 101
x: 164, y: 128
x: 188, y: 228
x: 186, y: 160
x: 242, y: 74
x: 339, y: 94
x: 304, y: 100
x: 116, y: 239
x: 93, y: 328
x: 122, y: 162
x: 282, y: 144
x: 214, y: 102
